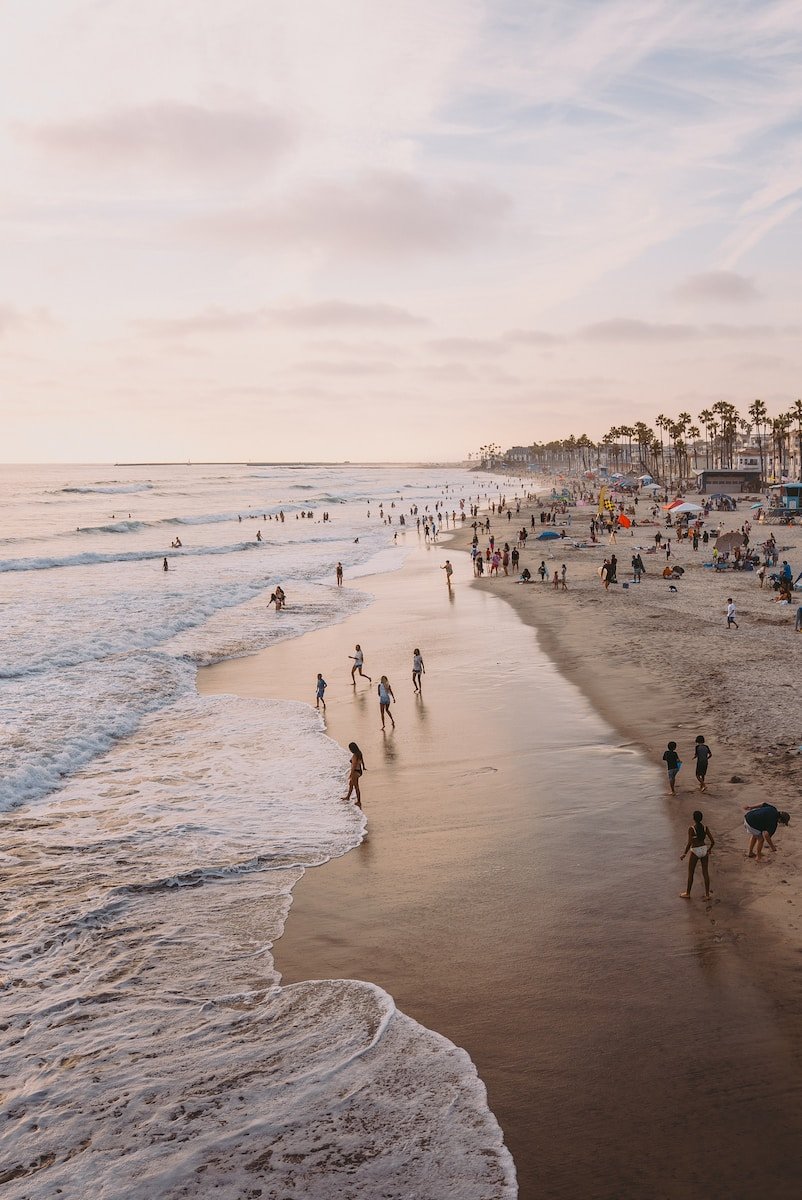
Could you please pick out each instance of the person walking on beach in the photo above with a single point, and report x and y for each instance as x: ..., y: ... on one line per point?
x: 563, y: 573
x: 760, y: 822
x: 358, y: 660
x: 385, y: 690
x: 418, y: 669
x: 449, y: 570
x: 702, y: 753
x: 357, y: 770
x: 697, y: 846
x: 731, y: 613
x: 320, y: 688
x: 339, y: 574
x: 673, y: 764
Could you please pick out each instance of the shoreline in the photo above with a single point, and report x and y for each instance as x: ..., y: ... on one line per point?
x: 458, y: 844
x: 644, y: 671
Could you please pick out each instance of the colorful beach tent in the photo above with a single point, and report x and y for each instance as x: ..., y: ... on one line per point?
x: 548, y: 535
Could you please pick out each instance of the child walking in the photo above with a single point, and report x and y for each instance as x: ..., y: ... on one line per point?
x: 673, y: 764
x: 320, y: 688
x: 702, y: 753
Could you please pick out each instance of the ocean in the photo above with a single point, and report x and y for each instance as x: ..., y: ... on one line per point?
x: 151, y: 839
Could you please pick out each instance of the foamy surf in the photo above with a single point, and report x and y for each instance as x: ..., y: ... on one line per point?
x: 151, y: 845
x: 144, y: 1013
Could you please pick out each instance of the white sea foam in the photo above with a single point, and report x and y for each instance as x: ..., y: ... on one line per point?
x: 150, y: 846
x: 108, y: 489
x: 159, y: 1055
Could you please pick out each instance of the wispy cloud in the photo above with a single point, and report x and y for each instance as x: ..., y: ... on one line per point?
x: 332, y: 314
x: 211, y: 322
x: 463, y: 347
x: 380, y: 214
x: 342, y: 313
x: 628, y: 329
x: 170, y: 135
x: 531, y: 337
x: 725, y: 287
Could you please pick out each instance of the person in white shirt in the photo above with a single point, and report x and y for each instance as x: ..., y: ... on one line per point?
x: 731, y: 613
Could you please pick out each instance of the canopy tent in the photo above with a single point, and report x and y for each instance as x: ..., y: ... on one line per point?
x: 687, y: 507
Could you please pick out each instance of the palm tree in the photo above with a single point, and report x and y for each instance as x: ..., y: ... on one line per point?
x: 645, y: 438
x: 693, y: 434
x: 729, y: 424
x: 780, y: 427
x: 795, y: 414
x: 708, y: 421
x: 759, y: 414
x: 662, y: 422
x: 628, y: 432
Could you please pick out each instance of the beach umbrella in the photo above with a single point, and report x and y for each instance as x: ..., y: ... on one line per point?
x: 729, y: 541
x: 757, y: 505
x: 548, y: 535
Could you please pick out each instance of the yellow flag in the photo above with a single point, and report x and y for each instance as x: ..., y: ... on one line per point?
x: 602, y: 499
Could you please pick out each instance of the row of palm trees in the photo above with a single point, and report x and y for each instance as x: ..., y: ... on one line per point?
x: 679, y: 443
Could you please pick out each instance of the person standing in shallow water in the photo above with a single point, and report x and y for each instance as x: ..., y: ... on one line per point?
x: 702, y: 753
x: 320, y: 688
x: 418, y: 669
x: 356, y: 771
x: 339, y: 574
x: 673, y: 764
x: 698, y: 833
x: 385, y: 690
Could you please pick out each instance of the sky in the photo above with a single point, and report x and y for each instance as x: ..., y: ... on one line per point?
x: 295, y: 230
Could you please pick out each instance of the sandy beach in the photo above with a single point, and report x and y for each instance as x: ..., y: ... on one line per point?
x: 661, y: 665
x: 517, y: 890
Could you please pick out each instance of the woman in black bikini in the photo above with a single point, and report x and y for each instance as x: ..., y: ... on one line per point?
x: 698, y: 833
x: 357, y: 769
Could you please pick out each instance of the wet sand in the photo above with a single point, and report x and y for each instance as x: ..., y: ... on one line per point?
x: 517, y: 892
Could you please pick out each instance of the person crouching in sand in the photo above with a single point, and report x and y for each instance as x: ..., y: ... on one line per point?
x: 357, y: 769
x: 385, y: 690
x: 698, y: 833
x: 760, y: 822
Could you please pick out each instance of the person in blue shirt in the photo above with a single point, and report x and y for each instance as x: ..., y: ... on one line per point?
x: 761, y: 823
x: 320, y: 688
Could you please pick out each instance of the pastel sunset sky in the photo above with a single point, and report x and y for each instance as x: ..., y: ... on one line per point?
x: 355, y: 229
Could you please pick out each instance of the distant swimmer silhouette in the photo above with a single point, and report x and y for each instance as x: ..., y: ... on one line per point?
x: 165, y: 566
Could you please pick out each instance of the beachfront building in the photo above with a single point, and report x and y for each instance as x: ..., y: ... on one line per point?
x: 730, y: 481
